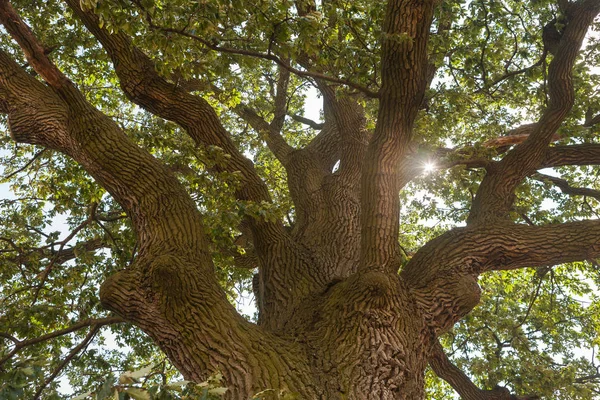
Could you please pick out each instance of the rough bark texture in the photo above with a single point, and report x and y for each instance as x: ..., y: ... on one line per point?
x: 336, y: 318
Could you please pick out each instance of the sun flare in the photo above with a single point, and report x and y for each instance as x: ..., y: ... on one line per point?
x: 428, y: 167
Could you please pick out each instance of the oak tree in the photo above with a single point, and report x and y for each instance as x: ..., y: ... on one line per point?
x: 438, y: 219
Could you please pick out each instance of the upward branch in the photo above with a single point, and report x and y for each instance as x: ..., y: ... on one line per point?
x: 64, y: 120
x: 404, y: 66
x: 496, y: 193
x: 144, y: 86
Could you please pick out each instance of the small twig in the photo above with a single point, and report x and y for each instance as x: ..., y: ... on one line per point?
x: 530, y: 307
x: 9, y: 337
x: 271, y: 57
x: 44, y: 275
x: 67, y: 360
x: 24, y: 167
x: 20, y: 344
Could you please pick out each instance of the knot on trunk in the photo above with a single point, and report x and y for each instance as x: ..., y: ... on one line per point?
x: 120, y: 293
x: 42, y: 124
x: 446, y: 300
x: 376, y: 283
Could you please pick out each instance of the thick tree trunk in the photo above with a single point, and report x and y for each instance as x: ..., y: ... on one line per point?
x: 363, y: 338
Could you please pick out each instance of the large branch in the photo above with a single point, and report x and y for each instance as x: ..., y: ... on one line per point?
x: 327, y: 144
x: 505, y: 246
x: 443, y: 273
x: 579, y: 154
x: 496, y: 192
x: 350, y: 120
x: 556, y: 156
x: 63, y: 120
x: 404, y: 78
x: 443, y: 367
x: 144, y: 86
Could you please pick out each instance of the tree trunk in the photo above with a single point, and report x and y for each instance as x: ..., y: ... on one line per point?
x: 363, y: 338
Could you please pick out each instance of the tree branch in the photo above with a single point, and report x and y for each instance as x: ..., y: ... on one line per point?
x: 144, y: 86
x: 67, y: 360
x: 465, y: 253
x: 173, y: 266
x: 496, y: 192
x: 404, y: 78
x: 34, y: 52
x: 265, y: 56
x: 24, y: 167
x: 20, y: 344
x: 270, y: 132
x: 350, y: 120
x: 307, y: 121
x: 566, y: 188
x: 443, y: 367
x: 579, y: 154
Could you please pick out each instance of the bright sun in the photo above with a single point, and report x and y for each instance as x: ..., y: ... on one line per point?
x: 429, y: 167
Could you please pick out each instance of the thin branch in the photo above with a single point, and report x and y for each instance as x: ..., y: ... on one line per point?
x: 20, y: 344
x: 270, y: 132
x: 24, y: 167
x: 517, y: 72
x: 256, y: 54
x: 307, y: 121
x: 9, y: 337
x: 587, y: 378
x: 566, y: 188
x: 445, y: 369
x: 67, y: 360
x: 531, y: 303
x: 43, y: 276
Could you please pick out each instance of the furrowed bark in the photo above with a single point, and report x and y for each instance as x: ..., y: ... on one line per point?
x: 579, y: 154
x: 336, y: 319
x: 350, y: 120
x: 404, y: 66
x: 327, y: 202
x: 496, y: 192
x: 332, y: 214
x: 145, y: 87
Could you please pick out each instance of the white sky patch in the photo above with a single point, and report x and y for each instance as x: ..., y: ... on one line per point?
x: 313, y: 104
